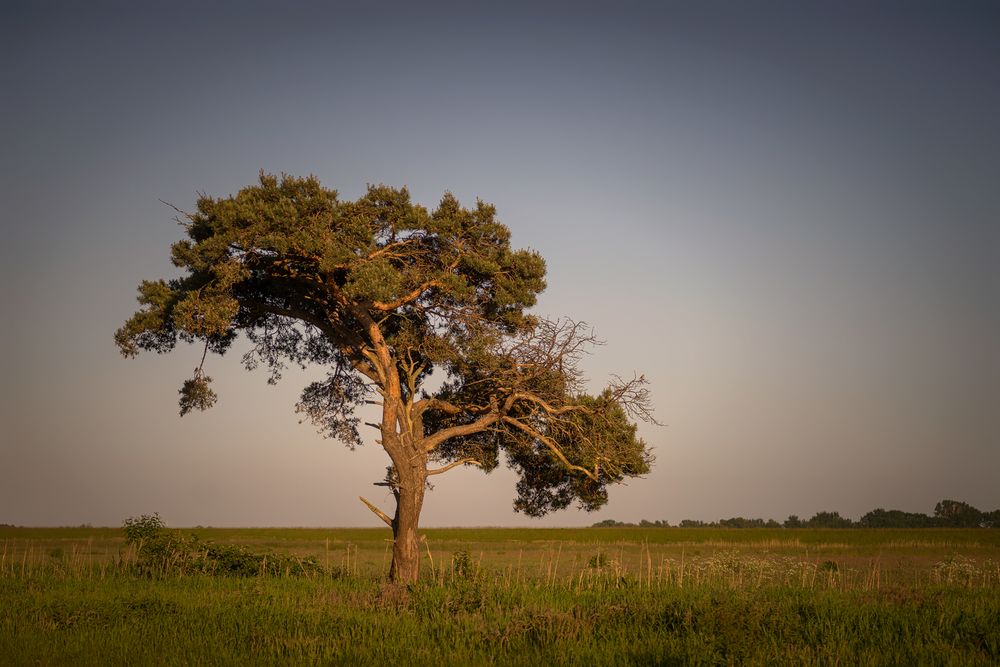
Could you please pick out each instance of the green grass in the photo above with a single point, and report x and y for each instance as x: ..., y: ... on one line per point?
x: 902, y: 556
x: 574, y: 596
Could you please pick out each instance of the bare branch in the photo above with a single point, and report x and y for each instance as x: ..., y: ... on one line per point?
x: 379, y: 513
x: 454, y: 464
x: 189, y: 216
x: 531, y: 398
x: 633, y: 396
x: 553, y: 447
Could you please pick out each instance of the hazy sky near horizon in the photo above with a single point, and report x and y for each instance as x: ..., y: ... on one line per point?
x: 785, y: 214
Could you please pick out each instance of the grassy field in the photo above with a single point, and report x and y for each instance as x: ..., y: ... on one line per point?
x: 514, y: 596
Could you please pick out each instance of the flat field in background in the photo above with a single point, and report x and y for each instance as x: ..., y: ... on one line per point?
x: 515, y: 596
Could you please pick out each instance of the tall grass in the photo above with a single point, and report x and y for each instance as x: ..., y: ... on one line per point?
x: 80, y: 601
x: 223, y: 620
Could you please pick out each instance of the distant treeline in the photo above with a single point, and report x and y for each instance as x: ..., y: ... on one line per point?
x: 947, y: 514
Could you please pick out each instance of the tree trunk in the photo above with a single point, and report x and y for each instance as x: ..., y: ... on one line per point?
x: 406, y: 546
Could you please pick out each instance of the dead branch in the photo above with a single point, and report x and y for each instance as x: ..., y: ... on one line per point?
x: 379, y: 513
x: 438, y: 471
x: 633, y: 396
x: 553, y: 447
x: 550, y: 409
x: 189, y: 216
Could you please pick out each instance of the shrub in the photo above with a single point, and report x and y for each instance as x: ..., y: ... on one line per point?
x: 143, y: 528
x: 461, y: 564
x: 598, y: 561
x: 161, y: 552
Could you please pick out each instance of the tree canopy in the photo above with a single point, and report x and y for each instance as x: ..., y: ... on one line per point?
x: 382, y: 293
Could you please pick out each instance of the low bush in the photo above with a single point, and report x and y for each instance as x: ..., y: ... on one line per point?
x: 159, y: 551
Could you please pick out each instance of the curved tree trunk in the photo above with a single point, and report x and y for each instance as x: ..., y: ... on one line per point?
x: 406, y: 545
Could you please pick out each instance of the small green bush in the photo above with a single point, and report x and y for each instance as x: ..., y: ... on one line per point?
x: 598, y: 561
x: 462, y: 565
x: 142, y: 528
x: 161, y: 552
x: 829, y: 566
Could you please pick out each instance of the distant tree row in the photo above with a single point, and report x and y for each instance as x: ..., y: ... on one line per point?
x: 611, y: 523
x: 947, y: 514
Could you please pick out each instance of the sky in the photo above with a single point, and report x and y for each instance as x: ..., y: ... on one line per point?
x: 785, y: 214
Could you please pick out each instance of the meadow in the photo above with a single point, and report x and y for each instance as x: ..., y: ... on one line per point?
x: 511, y: 596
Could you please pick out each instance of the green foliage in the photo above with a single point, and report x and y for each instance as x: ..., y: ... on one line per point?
x: 947, y: 514
x: 958, y: 514
x: 740, y: 522
x: 238, y: 561
x: 196, y: 394
x: 599, y: 437
x: 461, y: 564
x: 143, y: 528
x: 383, y: 292
x: 251, y: 259
x: 163, y: 552
x: 644, y: 523
x: 828, y: 520
x: 880, y: 518
x: 599, y: 560
x: 119, y: 619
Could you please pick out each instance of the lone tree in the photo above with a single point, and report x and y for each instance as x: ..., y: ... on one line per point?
x: 382, y: 292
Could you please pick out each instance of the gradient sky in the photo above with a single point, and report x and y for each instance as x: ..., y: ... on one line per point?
x: 787, y: 215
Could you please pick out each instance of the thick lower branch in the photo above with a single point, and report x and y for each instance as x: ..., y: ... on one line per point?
x: 425, y: 404
x: 480, y: 424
